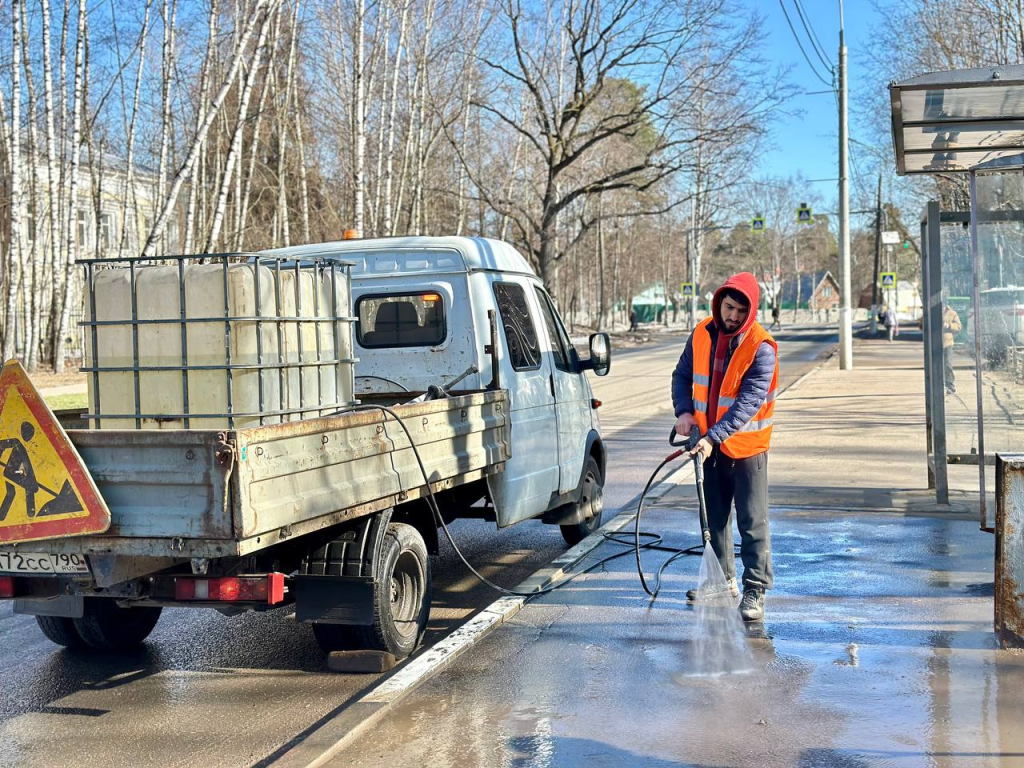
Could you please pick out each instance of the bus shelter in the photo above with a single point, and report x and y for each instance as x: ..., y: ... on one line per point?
x: 967, y: 127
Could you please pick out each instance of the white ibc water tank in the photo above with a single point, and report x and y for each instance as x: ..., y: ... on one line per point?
x: 260, y: 345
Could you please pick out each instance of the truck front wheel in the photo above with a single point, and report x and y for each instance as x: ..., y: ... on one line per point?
x: 401, y: 600
x: 590, y: 503
x: 107, y: 626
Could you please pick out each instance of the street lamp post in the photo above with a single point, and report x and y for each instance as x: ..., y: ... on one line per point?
x: 845, y: 312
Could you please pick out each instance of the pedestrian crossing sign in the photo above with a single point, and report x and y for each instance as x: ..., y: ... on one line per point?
x: 46, y: 491
x: 757, y: 225
x: 887, y: 279
x: 686, y: 289
x: 804, y: 215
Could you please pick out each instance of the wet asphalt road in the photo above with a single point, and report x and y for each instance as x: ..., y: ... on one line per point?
x: 231, y: 691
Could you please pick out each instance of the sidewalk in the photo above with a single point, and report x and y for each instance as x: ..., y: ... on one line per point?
x: 877, y: 648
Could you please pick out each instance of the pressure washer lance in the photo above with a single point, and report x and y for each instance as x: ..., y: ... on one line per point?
x: 698, y: 471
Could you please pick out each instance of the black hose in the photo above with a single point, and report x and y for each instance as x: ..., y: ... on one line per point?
x: 698, y: 549
x: 636, y: 545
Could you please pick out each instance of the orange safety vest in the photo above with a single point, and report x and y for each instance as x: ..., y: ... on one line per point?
x: 755, y: 436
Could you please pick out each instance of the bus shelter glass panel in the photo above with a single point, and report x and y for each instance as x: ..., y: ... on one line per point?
x: 997, y: 328
x: 957, y: 347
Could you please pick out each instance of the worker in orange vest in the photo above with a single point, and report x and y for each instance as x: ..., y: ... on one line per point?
x: 725, y: 383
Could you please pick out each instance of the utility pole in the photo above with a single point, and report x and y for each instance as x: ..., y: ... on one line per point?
x: 845, y: 312
x: 691, y: 265
x: 878, y: 257
x: 796, y: 274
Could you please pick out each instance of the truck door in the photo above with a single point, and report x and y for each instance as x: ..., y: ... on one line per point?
x: 531, y: 475
x: 572, y: 397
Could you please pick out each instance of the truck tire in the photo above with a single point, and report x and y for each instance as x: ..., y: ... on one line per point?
x: 401, y: 600
x: 593, y: 484
x: 60, y: 630
x: 106, y: 626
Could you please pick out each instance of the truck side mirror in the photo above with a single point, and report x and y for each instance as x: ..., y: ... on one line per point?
x: 600, y: 361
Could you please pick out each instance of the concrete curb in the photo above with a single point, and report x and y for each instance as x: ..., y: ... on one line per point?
x: 365, y: 711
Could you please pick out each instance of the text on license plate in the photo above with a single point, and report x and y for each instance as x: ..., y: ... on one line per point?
x: 41, y: 562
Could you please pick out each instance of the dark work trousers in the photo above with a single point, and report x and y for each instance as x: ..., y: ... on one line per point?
x: 745, y: 482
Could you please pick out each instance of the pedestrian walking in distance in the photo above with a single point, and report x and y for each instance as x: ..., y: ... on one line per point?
x: 776, y: 318
x: 725, y: 383
x: 951, y: 326
x: 891, y: 322
x: 632, y: 320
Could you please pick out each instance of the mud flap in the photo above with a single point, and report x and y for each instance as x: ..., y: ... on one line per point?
x: 337, y: 586
x: 70, y: 606
x: 334, y: 599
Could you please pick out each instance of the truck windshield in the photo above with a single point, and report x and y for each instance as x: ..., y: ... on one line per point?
x: 401, y: 320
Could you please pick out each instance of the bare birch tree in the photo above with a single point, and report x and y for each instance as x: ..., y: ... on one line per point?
x: 204, y: 126
x: 14, y: 257
x: 77, y: 111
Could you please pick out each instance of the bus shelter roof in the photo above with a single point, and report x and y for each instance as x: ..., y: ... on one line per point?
x: 949, y: 122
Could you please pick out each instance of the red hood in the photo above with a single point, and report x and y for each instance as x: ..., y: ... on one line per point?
x: 745, y: 283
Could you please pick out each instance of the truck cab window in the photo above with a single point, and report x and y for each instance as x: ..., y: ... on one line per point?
x: 520, y: 332
x: 401, y: 320
x: 560, y: 345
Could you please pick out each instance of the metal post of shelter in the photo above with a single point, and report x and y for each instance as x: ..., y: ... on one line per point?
x: 930, y: 458
x: 931, y: 271
x: 978, y: 354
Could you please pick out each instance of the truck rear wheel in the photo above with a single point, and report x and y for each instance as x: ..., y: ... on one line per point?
x: 401, y: 600
x: 107, y: 626
x: 591, y: 497
x: 60, y: 630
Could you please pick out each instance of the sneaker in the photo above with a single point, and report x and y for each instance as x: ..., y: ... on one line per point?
x: 752, y: 604
x: 731, y: 588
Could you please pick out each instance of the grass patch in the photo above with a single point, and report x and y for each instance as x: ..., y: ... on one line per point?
x: 61, y: 402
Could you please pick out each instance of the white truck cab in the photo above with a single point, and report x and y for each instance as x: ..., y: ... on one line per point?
x: 426, y: 308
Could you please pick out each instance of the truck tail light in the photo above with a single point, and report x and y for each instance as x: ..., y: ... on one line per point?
x: 6, y: 587
x: 231, y: 589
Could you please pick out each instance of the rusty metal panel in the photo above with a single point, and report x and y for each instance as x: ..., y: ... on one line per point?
x: 159, y: 483
x: 1009, y: 576
x: 291, y: 473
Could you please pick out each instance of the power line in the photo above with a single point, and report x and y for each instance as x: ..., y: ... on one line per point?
x: 801, y: 45
x: 818, y: 47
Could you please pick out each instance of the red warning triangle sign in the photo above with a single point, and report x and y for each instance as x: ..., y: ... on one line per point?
x: 45, y: 489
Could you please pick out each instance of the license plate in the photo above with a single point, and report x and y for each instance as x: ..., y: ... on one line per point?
x: 41, y: 562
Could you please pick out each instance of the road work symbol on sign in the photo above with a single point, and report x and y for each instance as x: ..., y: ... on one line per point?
x: 687, y: 289
x: 887, y: 279
x: 45, y: 489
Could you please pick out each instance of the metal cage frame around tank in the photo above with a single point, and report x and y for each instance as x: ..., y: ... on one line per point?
x: 340, y: 317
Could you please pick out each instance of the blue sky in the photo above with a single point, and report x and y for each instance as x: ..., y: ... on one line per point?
x: 807, y: 144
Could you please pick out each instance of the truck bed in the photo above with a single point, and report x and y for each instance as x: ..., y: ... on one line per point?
x: 209, y: 493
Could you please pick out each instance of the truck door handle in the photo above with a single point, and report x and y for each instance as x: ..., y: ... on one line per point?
x: 551, y: 383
